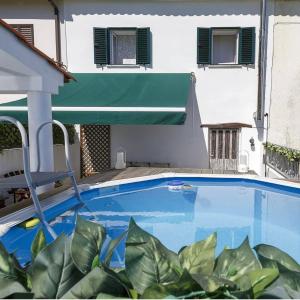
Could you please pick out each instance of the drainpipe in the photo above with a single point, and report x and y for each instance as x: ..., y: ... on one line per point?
x: 262, y: 60
x: 57, y: 32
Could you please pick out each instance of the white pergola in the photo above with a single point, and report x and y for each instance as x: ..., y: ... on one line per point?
x: 26, y: 70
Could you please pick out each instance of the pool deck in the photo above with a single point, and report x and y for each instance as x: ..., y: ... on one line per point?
x: 131, y: 172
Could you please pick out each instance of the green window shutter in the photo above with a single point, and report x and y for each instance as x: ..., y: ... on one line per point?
x: 247, y: 46
x: 203, y: 46
x: 143, y: 48
x: 101, y: 46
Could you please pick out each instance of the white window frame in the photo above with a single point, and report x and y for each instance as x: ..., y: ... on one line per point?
x: 226, y: 31
x: 113, y: 32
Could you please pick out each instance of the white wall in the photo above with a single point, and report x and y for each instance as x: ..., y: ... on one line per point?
x: 221, y: 95
x: 285, y: 93
x: 38, y: 13
x: 11, y: 159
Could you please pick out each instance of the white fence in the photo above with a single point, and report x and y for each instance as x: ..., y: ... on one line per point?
x: 11, y: 159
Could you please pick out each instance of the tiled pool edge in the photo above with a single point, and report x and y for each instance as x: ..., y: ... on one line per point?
x: 15, y: 218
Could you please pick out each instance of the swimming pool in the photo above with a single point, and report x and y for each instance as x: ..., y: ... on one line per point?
x: 232, y: 207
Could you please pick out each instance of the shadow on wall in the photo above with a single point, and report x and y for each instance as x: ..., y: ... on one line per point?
x: 168, y: 8
x: 22, y: 9
x: 180, y: 145
x: 26, y: 9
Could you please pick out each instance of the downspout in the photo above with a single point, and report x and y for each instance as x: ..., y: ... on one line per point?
x: 262, y: 61
x: 57, y: 32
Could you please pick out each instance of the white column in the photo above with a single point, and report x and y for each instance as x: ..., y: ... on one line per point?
x: 39, y: 112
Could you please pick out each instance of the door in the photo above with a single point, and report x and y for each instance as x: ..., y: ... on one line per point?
x: 94, y: 149
x: 223, y: 149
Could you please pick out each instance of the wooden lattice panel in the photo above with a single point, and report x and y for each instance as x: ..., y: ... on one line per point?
x: 95, y: 148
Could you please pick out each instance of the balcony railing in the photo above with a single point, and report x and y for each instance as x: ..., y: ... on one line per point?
x: 280, y: 163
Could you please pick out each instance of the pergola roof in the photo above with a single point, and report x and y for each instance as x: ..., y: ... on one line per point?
x: 67, y: 75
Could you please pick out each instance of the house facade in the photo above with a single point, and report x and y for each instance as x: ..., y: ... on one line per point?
x: 217, y: 42
x: 284, y: 121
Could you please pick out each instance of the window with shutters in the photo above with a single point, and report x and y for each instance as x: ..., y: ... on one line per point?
x: 225, y: 46
x: 26, y: 30
x: 123, y: 47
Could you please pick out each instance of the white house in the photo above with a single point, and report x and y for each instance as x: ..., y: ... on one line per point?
x: 217, y: 42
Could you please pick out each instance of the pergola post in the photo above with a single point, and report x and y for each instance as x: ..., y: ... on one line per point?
x: 39, y: 112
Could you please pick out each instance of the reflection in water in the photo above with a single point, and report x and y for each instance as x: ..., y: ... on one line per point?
x: 182, y: 217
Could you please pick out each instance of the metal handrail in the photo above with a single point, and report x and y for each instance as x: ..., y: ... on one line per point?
x: 66, y: 143
x: 27, y: 174
x: 67, y: 155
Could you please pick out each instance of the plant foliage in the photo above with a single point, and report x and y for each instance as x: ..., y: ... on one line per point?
x: 290, y: 154
x: 70, y: 268
x: 10, y: 136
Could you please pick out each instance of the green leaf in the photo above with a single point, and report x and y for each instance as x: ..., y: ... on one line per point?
x: 10, y: 267
x: 274, y: 254
x: 7, y: 264
x: 233, y: 263
x: 38, y: 244
x: 122, y: 275
x: 257, y: 280
x: 21, y: 295
x: 134, y: 294
x: 53, y: 271
x: 260, y: 279
x: 279, y: 290
x: 147, y: 261
x: 96, y: 262
x: 95, y: 282
x: 113, y: 244
x: 290, y: 279
x: 211, y: 283
x: 199, y: 258
x: 183, y: 287
x: 86, y: 243
x: 108, y: 296
x: 9, y: 287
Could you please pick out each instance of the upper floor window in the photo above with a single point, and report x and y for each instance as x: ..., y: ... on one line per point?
x: 26, y: 30
x: 122, y: 46
x: 224, y: 46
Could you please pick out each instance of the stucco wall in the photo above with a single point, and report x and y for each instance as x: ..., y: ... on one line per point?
x: 221, y: 94
x: 285, y: 95
x: 38, y: 13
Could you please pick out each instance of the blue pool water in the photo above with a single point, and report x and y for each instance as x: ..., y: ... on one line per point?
x: 234, y: 208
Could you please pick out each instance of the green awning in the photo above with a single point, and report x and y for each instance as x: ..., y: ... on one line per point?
x: 111, y: 98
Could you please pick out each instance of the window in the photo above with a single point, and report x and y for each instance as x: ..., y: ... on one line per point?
x: 224, y: 46
x: 123, y: 47
x: 26, y: 30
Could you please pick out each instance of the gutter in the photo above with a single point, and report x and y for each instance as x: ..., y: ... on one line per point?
x: 57, y: 32
x: 262, y: 61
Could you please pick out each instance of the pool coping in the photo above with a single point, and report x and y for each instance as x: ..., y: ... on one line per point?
x: 15, y: 218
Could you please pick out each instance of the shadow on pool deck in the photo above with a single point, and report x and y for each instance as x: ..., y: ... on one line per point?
x: 104, y: 176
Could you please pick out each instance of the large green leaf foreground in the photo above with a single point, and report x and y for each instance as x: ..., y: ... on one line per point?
x: 70, y: 268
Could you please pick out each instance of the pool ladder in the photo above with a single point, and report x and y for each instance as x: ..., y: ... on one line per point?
x: 35, y: 179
